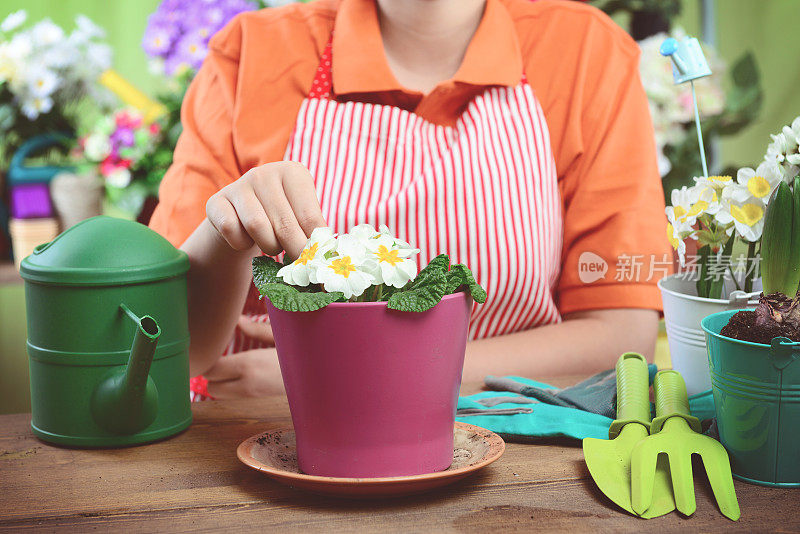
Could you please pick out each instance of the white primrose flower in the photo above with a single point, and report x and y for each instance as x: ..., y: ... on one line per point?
x: 14, y: 21
x: 391, y: 261
x: 744, y: 210
x: 346, y: 270
x: 303, y: 270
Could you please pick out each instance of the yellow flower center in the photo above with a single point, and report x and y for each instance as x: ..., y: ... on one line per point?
x: 758, y: 186
x: 389, y: 256
x: 680, y: 212
x: 342, y: 266
x: 671, y: 236
x: 39, y: 83
x: 193, y: 48
x: 718, y: 180
x: 307, y: 254
x: 748, y: 214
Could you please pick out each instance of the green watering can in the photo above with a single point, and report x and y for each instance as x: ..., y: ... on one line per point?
x: 108, y: 335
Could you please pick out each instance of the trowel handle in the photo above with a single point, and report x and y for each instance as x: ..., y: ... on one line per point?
x: 633, y: 393
x: 671, y: 400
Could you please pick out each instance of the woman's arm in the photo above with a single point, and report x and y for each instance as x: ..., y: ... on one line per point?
x: 585, y: 342
x: 272, y: 208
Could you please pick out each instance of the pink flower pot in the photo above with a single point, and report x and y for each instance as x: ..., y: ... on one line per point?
x: 373, y: 391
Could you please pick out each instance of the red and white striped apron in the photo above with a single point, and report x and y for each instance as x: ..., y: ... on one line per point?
x: 483, y: 191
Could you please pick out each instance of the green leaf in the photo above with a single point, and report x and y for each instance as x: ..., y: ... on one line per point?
x: 265, y: 271
x: 287, y: 298
x: 425, y: 292
x: 440, y: 263
x: 460, y: 276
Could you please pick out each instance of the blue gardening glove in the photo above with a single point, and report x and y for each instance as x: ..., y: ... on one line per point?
x: 596, y: 394
x: 527, y: 416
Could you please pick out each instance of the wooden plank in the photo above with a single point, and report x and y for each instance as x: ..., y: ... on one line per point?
x: 195, y: 481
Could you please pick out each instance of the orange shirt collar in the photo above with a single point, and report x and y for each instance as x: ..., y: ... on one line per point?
x: 493, y: 56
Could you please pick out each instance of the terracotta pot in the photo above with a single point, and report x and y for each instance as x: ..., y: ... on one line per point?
x: 373, y: 391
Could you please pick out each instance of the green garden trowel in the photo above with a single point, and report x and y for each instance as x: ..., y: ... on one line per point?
x: 675, y: 434
x: 609, y: 461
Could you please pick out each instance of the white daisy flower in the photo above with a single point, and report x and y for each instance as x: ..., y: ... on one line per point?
x: 41, y: 81
x: 303, y: 270
x: 35, y: 106
x: 14, y: 21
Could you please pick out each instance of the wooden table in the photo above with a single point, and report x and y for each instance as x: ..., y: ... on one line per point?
x: 194, y: 482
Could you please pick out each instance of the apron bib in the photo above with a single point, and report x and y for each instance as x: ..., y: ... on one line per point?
x: 484, y: 191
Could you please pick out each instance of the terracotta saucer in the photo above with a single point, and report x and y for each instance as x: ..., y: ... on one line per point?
x: 274, y: 454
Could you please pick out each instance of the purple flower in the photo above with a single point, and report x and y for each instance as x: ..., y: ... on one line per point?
x: 179, y: 30
x: 122, y: 137
x: 157, y: 40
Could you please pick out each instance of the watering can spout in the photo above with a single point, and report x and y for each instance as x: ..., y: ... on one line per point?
x: 126, y: 401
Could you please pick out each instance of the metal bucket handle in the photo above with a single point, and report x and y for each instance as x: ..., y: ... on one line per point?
x: 783, y: 352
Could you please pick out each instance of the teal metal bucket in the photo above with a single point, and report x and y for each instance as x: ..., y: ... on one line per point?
x: 757, y: 399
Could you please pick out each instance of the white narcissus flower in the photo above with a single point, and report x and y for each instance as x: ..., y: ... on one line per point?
x: 677, y: 242
x: 14, y: 21
x: 758, y: 183
x: 689, y: 203
x: 744, y: 210
x: 303, y: 270
x: 346, y: 272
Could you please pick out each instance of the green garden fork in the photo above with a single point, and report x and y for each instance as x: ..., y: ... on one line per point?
x: 676, y: 433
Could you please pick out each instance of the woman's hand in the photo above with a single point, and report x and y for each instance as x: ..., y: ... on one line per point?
x: 256, y: 330
x: 252, y: 373
x: 274, y: 206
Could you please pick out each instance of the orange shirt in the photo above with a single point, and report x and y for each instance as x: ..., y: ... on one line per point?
x: 241, y: 108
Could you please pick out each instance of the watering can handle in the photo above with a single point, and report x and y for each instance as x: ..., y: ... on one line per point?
x: 633, y: 393
x: 671, y: 400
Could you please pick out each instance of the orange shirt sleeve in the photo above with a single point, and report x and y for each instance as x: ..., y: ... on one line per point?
x: 611, y: 189
x: 204, y: 160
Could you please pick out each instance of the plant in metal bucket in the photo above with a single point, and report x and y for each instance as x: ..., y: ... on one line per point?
x: 363, y: 265
x: 778, y: 310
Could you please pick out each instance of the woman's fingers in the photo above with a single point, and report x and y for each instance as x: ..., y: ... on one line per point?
x: 254, y: 219
x: 298, y: 185
x: 274, y: 205
x: 256, y: 330
x: 222, y: 215
x: 267, y: 183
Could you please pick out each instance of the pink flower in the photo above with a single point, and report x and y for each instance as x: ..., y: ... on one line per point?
x: 107, y: 166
